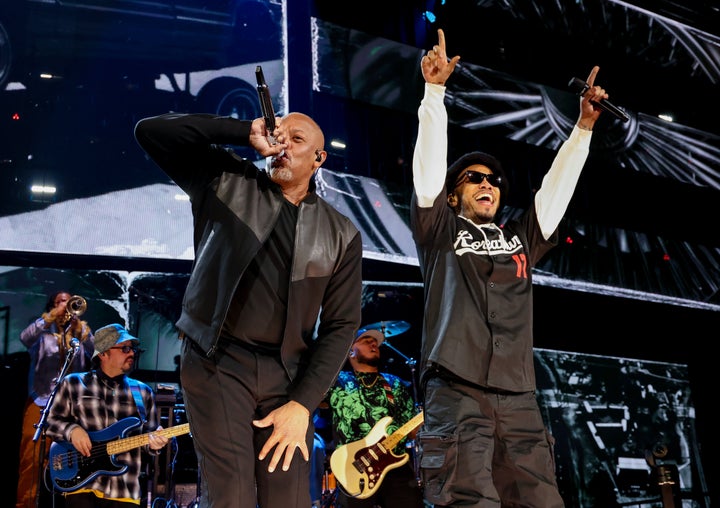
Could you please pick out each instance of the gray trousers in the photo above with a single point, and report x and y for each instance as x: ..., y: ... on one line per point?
x: 485, y: 449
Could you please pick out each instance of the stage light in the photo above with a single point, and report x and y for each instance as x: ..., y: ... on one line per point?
x: 430, y: 15
x: 336, y: 143
x: 43, y: 193
x: 43, y: 189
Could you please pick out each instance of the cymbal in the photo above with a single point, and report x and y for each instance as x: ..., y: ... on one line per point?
x: 389, y: 328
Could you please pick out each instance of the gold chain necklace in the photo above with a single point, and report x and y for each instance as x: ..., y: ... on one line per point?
x: 361, y: 378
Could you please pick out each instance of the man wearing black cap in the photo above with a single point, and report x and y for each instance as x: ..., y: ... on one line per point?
x: 484, y: 442
x: 90, y: 402
x: 358, y: 400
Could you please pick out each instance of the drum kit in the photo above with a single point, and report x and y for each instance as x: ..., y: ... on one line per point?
x: 330, y: 486
x: 389, y: 328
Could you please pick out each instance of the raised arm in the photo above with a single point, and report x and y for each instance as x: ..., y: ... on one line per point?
x: 430, y: 156
x: 559, y: 183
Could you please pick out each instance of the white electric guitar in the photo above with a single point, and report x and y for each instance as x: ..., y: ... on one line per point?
x: 359, y: 467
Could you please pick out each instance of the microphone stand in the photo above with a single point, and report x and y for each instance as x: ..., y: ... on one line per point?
x: 411, y: 362
x: 41, y: 426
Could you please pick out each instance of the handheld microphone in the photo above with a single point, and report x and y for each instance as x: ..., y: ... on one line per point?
x: 580, y: 87
x: 266, y: 106
x: 74, y: 344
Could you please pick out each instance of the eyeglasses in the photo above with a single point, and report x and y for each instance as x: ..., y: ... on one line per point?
x: 126, y: 349
x: 478, y: 177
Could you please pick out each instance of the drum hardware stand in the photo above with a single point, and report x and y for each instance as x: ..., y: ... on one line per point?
x: 329, y: 497
x: 411, y: 362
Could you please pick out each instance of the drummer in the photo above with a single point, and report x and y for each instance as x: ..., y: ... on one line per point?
x: 361, y: 396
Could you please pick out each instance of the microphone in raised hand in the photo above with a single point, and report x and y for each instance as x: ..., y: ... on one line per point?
x: 579, y: 86
x: 266, y: 105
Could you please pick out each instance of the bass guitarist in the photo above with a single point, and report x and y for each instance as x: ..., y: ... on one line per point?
x: 360, y: 398
x: 87, y: 404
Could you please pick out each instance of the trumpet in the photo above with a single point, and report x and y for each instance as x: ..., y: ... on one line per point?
x: 75, y: 307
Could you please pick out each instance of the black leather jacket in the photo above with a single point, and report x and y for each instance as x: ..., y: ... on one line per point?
x: 235, y: 206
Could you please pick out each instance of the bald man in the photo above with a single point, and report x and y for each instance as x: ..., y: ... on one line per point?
x: 269, y: 254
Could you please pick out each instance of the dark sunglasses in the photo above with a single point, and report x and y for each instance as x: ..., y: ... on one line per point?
x: 126, y: 349
x: 477, y: 177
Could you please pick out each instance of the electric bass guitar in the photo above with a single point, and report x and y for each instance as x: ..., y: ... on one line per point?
x: 69, y: 470
x: 359, y: 467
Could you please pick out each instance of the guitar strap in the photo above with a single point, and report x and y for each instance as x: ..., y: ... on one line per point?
x: 388, y: 390
x: 138, y: 398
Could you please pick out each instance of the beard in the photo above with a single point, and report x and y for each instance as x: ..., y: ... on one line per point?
x: 479, y: 217
x: 277, y: 170
x: 373, y: 362
x: 280, y: 174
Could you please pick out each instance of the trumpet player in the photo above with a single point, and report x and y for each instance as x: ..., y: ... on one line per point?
x: 48, y: 339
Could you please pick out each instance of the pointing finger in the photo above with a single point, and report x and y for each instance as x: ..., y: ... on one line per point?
x: 591, y: 77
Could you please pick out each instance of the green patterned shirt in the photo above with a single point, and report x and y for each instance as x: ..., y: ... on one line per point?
x: 359, y: 401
